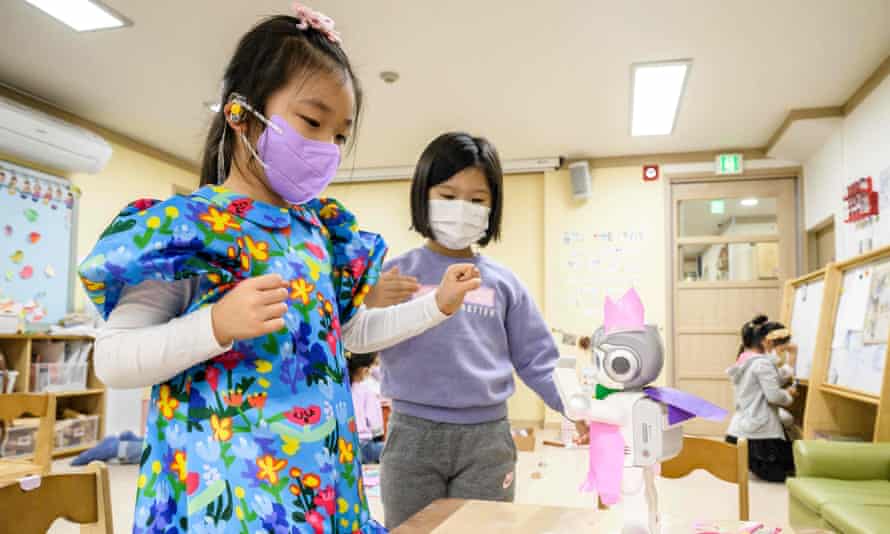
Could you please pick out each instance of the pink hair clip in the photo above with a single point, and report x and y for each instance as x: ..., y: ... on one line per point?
x: 319, y: 22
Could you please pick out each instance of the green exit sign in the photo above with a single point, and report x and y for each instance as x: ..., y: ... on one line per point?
x: 729, y: 164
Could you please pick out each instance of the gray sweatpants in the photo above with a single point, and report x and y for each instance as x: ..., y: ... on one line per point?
x: 423, y: 461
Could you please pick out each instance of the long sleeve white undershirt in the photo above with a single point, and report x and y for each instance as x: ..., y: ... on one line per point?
x: 147, y: 340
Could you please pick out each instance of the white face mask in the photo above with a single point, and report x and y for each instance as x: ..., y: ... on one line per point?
x: 457, y: 224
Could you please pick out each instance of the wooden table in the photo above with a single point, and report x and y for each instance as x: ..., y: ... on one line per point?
x: 457, y: 516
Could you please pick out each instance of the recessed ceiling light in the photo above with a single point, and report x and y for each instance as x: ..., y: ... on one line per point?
x: 82, y: 15
x: 212, y: 106
x: 657, y: 89
x: 749, y: 202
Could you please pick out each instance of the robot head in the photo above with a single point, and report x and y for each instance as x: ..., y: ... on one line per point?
x: 628, y: 354
x: 627, y: 359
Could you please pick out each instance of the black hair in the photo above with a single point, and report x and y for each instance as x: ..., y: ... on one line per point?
x: 446, y: 156
x: 267, y: 57
x: 357, y: 362
x: 756, y: 330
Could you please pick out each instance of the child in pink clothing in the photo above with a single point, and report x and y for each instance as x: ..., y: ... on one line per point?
x: 368, y: 410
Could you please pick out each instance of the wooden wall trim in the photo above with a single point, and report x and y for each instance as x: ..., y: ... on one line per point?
x: 636, y: 160
x: 753, y: 174
x: 858, y: 96
x: 802, y: 114
x: 869, y: 85
x: 109, y: 134
x: 36, y: 166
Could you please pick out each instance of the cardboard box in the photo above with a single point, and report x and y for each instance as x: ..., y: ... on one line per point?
x: 524, y: 439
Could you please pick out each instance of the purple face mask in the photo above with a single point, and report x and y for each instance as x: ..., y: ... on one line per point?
x: 297, y: 168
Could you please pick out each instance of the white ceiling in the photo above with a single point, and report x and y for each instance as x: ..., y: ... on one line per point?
x: 538, y: 78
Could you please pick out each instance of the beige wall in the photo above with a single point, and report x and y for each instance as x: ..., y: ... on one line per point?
x: 621, y: 202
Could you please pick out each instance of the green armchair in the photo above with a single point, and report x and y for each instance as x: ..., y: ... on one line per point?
x: 839, y: 486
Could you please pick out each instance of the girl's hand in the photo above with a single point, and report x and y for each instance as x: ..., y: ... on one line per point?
x: 792, y: 391
x: 583, y: 437
x: 254, y: 308
x: 791, y: 351
x: 392, y: 288
x: 459, y: 279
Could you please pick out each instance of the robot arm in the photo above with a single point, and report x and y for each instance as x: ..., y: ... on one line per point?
x: 578, y: 404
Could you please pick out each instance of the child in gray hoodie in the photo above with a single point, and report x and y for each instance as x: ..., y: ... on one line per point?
x: 758, y: 397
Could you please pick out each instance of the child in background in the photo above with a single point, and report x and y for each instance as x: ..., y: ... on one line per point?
x: 758, y: 397
x: 236, y: 303
x: 368, y: 411
x: 784, y: 356
x: 448, y: 435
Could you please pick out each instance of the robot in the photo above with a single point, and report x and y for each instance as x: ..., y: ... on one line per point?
x: 633, y: 427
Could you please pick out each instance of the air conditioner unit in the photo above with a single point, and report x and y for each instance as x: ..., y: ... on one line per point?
x: 383, y: 174
x: 40, y: 138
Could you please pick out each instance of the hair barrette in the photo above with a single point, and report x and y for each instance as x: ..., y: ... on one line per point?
x: 316, y: 20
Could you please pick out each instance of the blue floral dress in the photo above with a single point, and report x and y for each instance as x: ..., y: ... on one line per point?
x: 261, y: 438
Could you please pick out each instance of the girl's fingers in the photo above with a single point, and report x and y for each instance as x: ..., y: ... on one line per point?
x: 273, y: 311
x: 272, y: 325
x: 469, y: 285
x: 273, y: 296
x: 267, y: 281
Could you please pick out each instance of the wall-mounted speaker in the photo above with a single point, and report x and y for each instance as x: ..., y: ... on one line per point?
x: 582, y: 186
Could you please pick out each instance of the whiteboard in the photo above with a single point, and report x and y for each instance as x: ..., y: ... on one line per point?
x: 38, y: 217
x: 805, y: 324
x: 854, y: 363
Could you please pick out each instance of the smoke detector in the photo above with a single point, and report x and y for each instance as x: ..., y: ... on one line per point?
x: 389, y: 76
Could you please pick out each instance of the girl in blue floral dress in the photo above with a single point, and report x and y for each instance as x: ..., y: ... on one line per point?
x: 235, y: 303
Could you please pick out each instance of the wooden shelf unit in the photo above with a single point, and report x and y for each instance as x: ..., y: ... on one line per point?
x: 830, y: 408
x: 90, y: 401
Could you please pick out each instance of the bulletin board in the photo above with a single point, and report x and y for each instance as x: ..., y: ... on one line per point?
x: 38, y: 223
x: 805, y: 313
x: 862, y: 322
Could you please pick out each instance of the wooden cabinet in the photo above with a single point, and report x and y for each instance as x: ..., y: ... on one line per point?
x: 19, y: 350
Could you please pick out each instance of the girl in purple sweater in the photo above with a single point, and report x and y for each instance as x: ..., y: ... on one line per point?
x: 449, y: 435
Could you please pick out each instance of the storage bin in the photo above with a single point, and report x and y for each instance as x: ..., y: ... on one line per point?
x: 76, y: 433
x: 48, y: 351
x: 56, y: 377
x: 20, y: 440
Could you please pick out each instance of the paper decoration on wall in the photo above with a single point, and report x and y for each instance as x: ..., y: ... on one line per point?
x: 33, y: 237
x: 877, y: 315
x: 31, y: 214
x: 49, y: 271
x: 9, y: 276
x: 33, y: 311
x: 570, y: 238
x: 17, y: 256
x: 26, y: 272
x: 8, y: 230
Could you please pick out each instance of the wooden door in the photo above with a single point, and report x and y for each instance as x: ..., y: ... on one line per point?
x: 733, y: 248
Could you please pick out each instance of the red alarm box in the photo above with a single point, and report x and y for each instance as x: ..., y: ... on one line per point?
x: 651, y: 173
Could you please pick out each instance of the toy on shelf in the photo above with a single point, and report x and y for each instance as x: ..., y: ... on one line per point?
x: 633, y: 426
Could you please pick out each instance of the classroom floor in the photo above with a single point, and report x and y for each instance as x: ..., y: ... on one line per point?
x: 548, y: 476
